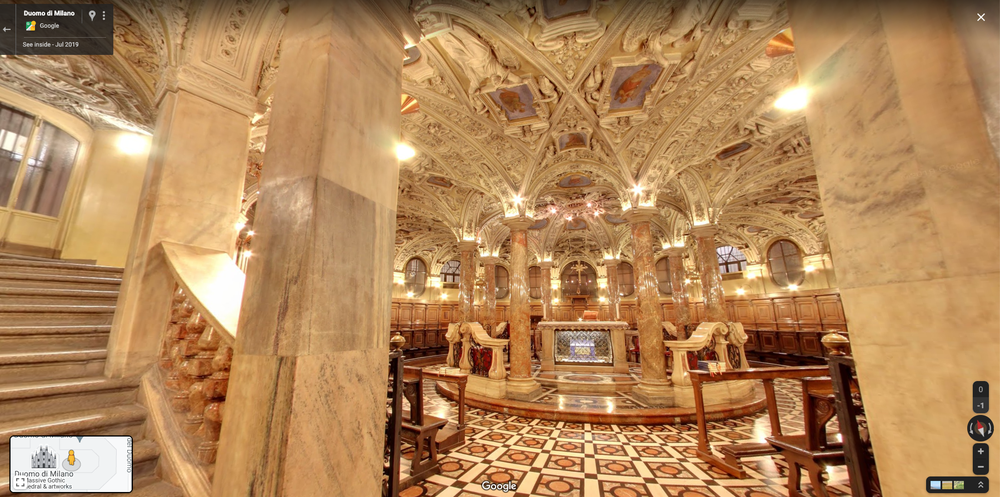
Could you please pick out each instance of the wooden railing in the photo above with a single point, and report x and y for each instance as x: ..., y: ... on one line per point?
x: 197, y: 348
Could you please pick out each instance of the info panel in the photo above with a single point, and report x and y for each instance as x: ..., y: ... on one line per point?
x: 71, y: 464
x: 57, y: 29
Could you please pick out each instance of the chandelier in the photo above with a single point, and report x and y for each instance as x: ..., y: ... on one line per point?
x: 586, y: 206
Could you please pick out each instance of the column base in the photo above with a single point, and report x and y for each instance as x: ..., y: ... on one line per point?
x: 654, y: 392
x: 526, y: 389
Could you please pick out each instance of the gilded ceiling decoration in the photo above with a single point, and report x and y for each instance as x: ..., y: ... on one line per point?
x: 537, y: 107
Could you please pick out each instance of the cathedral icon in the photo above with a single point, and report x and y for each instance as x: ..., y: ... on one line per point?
x: 43, y: 459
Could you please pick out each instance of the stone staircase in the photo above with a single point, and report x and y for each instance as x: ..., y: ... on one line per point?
x: 55, y: 318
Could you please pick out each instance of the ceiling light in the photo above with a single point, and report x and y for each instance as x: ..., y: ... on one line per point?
x: 740, y: 291
x: 793, y: 99
x: 247, y: 253
x: 250, y: 233
x: 793, y: 287
x: 637, y: 189
x: 444, y: 296
x: 602, y: 299
x: 409, y: 294
x: 751, y: 276
x: 589, y: 204
x: 517, y: 199
x: 810, y: 268
x: 240, y: 226
x: 132, y: 144
x: 687, y: 282
x: 404, y: 151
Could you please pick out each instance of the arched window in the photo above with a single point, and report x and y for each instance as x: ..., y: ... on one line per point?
x: 416, y: 277
x: 535, y: 282
x: 579, y: 278
x: 663, y: 276
x: 626, y: 279
x: 785, y: 263
x: 731, y: 260
x: 451, y: 272
x: 503, y: 281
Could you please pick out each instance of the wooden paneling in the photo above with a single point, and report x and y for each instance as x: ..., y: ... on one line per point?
x: 768, y: 340
x: 810, y: 344
x: 788, y: 342
x: 743, y: 312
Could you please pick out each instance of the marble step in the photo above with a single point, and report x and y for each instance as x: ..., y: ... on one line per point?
x: 35, y: 314
x: 145, y: 454
x: 23, y: 366
x: 60, y: 268
x: 37, y: 398
x: 39, y: 338
x: 32, y: 280
x: 56, y: 296
x: 117, y: 420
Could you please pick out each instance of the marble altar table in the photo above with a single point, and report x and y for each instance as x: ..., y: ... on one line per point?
x: 584, y: 346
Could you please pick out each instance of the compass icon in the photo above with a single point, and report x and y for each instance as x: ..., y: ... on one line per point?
x: 980, y: 428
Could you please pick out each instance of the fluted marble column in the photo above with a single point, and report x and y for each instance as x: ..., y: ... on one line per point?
x: 614, y: 295
x: 490, y: 275
x: 708, y: 268
x: 903, y: 101
x: 305, y: 412
x: 653, y: 389
x: 547, y: 290
x: 520, y: 384
x: 679, y: 295
x: 467, y: 280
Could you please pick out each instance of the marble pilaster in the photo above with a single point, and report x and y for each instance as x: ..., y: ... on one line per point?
x: 490, y: 276
x: 305, y: 412
x: 191, y: 195
x: 614, y: 294
x: 467, y: 280
x: 679, y: 293
x: 520, y: 383
x: 547, y: 313
x: 708, y: 268
x: 911, y: 198
x: 654, y: 387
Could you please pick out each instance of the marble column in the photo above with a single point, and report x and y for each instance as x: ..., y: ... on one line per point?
x: 467, y: 280
x: 708, y: 268
x: 191, y: 195
x: 520, y: 384
x: 305, y: 412
x: 490, y: 276
x: 654, y: 388
x: 547, y: 312
x: 679, y: 294
x: 911, y: 199
x: 614, y: 295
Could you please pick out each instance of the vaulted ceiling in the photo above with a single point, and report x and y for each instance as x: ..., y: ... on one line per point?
x: 540, y: 108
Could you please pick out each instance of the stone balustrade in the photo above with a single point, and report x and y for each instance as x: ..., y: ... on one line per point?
x: 710, y: 341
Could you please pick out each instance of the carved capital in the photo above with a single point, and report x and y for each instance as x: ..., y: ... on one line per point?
x: 207, y: 86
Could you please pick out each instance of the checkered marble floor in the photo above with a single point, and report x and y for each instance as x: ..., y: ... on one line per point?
x: 554, y: 458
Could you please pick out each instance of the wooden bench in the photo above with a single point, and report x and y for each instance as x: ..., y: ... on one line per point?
x: 730, y: 462
x: 419, y: 430
x: 796, y: 452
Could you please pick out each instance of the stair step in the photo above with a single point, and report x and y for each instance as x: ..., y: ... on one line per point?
x: 28, y: 337
x: 25, y: 400
x: 51, y: 365
x: 56, y: 296
x: 117, y: 420
x: 31, y: 280
x: 34, y: 314
x: 46, y: 267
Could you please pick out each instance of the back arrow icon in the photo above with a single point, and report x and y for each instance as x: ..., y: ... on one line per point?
x: 6, y: 30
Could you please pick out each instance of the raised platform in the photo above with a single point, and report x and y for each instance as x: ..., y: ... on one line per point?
x: 599, y: 398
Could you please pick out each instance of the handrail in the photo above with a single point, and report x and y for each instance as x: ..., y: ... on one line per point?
x: 212, y: 281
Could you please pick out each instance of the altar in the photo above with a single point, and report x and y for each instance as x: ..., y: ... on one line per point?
x: 583, y: 346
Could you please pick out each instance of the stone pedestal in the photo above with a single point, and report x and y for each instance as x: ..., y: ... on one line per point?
x: 520, y: 385
x: 911, y: 197
x: 305, y: 413
x: 490, y: 275
x: 467, y: 280
x: 651, y: 350
x: 191, y: 195
x: 679, y: 293
x: 708, y: 268
x: 614, y: 295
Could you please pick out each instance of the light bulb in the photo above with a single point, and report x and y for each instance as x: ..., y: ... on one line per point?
x: 247, y: 254
x: 687, y: 282
x: 793, y: 287
x: 250, y: 233
x: 517, y: 199
x: 409, y: 294
x: 637, y: 189
x: 810, y: 268
x: 793, y: 99
x: 751, y: 276
x: 404, y: 151
x: 740, y: 291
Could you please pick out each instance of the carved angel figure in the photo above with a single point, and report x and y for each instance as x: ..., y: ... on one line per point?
x: 662, y: 24
x: 547, y: 89
x: 478, y: 59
